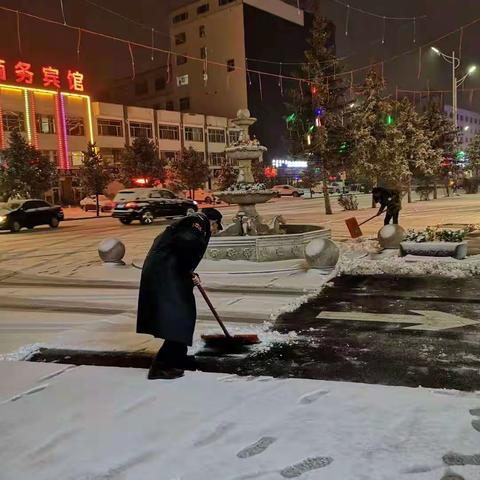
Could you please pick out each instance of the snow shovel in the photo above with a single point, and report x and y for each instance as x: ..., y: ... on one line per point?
x: 354, y: 227
x: 226, y: 340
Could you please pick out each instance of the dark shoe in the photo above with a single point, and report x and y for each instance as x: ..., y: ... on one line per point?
x: 189, y: 363
x: 160, y: 370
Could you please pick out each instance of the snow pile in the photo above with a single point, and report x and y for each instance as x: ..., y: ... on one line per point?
x: 23, y: 353
x: 394, y: 265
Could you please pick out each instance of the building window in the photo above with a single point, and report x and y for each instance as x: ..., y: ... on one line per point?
x: 181, y: 17
x: 203, y: 52
x: 233, y: 136
x: 224, y: 2
x: 216, y: 135
x: 215, y: 159
x: 193, y: 134
x: 141, y: 88
x: 110, y: 128
x: 231, y: 65
x: 140, y: 129
x: 182, y: 80
x: 169, y: 106
x: 203, y: 8
x: 160, y: 83
x: 181, y: 60
x: 201, y: 31
x: 168, y: 132
x: 184, y: 103
x: 13, y: 121
x: 75, y: 126
x: 168, y: 157
x: 45, y: 123
x: 76, y: 158
x: 180, y: 38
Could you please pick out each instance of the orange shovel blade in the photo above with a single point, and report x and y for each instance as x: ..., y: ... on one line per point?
x: 353, y: 227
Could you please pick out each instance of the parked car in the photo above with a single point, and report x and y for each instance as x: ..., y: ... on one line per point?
x: 90, y: 203
x: 287, y: 190
x: 146, y: 204
x: 18, y: 214
x: 201, y: 196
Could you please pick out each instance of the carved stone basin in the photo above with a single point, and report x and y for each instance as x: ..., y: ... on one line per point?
x: 245, y: 152
x: 246, y: 198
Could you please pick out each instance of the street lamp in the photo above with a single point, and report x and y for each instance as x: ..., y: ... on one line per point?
x: 455, y: 62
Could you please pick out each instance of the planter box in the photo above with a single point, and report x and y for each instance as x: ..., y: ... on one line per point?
x: 456, y: 250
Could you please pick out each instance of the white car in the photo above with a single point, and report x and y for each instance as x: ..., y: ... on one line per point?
x: 287, y: 190
x: 90, y: 203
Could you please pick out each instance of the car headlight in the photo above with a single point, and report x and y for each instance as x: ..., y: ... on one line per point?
x: 2, y: 219
x: 195, y: 202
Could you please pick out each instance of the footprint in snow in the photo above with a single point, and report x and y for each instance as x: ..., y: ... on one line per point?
x: 256, y: 448
x: 312, y: 397
x: 221, y: 430
x: 460, y: 459
x: 420, y: 469
x: 475, y: 412
x: 307, y: 465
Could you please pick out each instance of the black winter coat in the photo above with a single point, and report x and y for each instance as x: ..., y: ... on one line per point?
x: 166, y: 304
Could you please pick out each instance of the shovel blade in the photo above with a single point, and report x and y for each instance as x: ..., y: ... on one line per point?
x: 353, y: 227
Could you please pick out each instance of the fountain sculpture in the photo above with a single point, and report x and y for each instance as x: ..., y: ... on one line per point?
x: 249, y: 237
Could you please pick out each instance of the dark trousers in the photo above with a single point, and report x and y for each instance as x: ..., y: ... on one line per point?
x: 391, y: 215
x: 172, y: 353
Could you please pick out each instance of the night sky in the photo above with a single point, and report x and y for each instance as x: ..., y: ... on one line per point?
x: 101, y: 60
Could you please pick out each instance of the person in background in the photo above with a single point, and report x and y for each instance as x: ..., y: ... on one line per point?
x: 166, y: 303
x: 389, y: 200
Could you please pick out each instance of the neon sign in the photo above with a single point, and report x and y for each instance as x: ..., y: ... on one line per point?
x: 51, y: 77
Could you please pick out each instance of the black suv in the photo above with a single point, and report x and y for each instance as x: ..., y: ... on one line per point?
x: 16, y: 214
x: 146, y: 204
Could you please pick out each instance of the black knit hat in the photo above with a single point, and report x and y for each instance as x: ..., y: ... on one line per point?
x: 214, y: 215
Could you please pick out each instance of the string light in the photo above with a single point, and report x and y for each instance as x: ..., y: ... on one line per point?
x: 132, y: 60
x: 18, y: 34
x: 79, y: 41
x: 63, y: 12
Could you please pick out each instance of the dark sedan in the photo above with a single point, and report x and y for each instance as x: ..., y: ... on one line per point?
x: 18, y: 214
x: 146, y: 204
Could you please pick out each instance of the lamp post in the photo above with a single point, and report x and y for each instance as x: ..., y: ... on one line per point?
x: 455, y: 62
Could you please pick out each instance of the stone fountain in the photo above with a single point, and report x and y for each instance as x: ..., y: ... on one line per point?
x: 249, y: 237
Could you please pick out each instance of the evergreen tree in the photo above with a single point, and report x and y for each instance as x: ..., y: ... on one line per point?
x: 310, y: 177
x: 422, y: 159
x: 443, y: 138
x: 473, y: 156
x: 141, y: 160
x: 95, y: 174
x: 379, y: 143
x: 227, y: 175
x: 24, y: 171
x: 190, y: 169
x: 318, y: 126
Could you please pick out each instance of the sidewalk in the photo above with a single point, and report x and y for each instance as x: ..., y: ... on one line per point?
x: 72, y: 423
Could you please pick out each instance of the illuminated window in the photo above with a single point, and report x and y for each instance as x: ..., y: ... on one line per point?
x: 169, y: 157
x: 231, y: 65
x: 181, y: 17
x: 141, y: 88
x: 201, y: 31
x: 168, y: 132
x: 110, y: 128
x: 76, y: 158
x: 216, y: 135
x: 181, y: 60
x: 215, y: 159
x: 182, y: 80
x: 184, y: 103
x: 203, y: 8
x: 193, y: 134
x: 75, y: 126
x: 13, y: 121
x: 45, y: 123
x: 233, y: 136
x: 139, y: 129
x: 180, y: 38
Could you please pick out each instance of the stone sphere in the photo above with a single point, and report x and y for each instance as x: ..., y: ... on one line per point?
x: 322, y: 253
x: 111, y: 250
x: 243, y: 113
x: 390, y: 236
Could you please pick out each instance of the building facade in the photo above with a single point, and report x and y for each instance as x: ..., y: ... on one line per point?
x: 468, y: 124
x: 214, y: 42
x: 60, y: 124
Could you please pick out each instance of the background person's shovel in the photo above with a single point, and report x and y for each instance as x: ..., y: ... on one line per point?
x: 354, y: 227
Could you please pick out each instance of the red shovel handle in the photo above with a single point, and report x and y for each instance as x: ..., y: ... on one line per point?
x: 368, y: 219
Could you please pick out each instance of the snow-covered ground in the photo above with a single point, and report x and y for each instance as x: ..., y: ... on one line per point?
x: 79, y: 423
